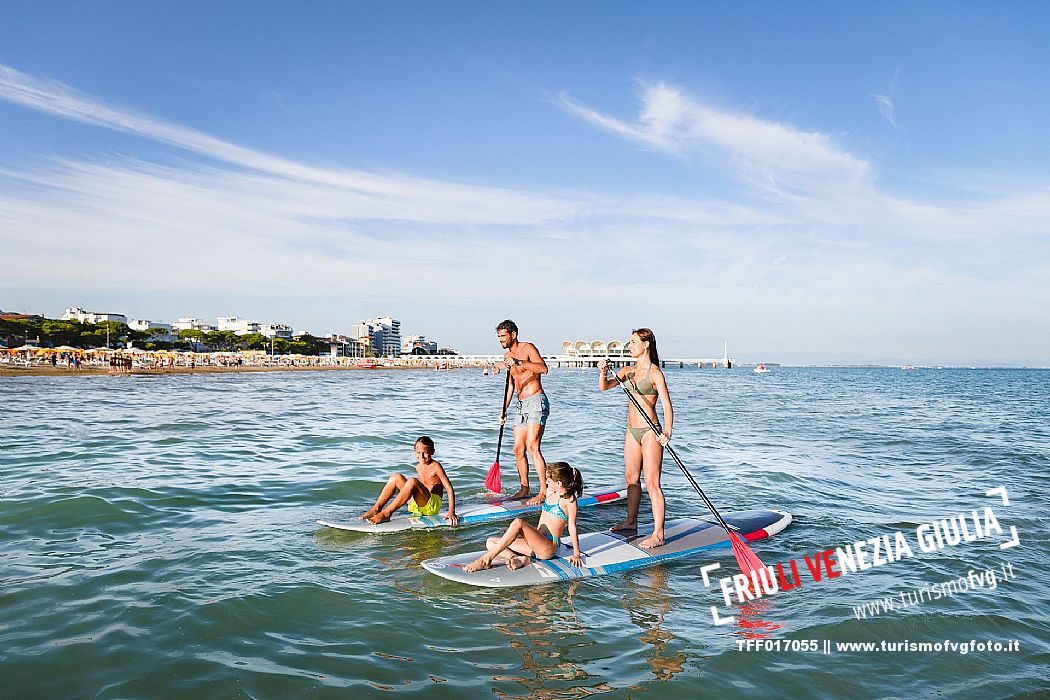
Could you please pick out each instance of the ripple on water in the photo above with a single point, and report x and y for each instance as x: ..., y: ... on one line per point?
x: 158, y: 538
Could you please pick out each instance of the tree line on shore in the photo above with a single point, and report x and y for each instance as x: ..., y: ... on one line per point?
x: 56, y: 332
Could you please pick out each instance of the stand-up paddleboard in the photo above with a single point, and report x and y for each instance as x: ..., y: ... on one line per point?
x: 469, y: 514
x: 609, y: 552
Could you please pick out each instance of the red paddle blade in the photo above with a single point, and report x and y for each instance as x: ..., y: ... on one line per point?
x: 747, y: 560
x: 492, y: 481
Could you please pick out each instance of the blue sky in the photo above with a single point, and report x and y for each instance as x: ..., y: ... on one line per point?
x: 810, y: 182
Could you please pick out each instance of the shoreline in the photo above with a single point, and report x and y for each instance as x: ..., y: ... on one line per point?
x: 47, y: 371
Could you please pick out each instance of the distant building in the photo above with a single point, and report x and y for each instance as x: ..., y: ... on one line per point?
x: 77, y: 313
x: 276, y: 330
x: 345, y: 346
x: 157, y: 330
x: 419, y: 345
x: 191, y: 324
x: 145, y: 325
x: 381, y: 334
x: 5, y: 316
x: 239, y: 326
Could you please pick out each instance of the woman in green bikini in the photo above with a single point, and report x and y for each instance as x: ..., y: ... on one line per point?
x: 643, y: 451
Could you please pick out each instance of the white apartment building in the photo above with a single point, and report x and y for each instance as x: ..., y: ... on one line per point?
x: 77, y: 313
x: 345, y: 346
x: 239, y: 326
x: 275, y: 330
x: 191, y: 324
x: 144, y: 325
x: 160, y: 331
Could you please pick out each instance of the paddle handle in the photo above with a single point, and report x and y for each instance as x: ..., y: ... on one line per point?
x: 503, y: 415
x: 674, y: 455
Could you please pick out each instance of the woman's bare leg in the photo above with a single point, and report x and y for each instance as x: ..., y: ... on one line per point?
x: 653, y: 457
x: 632, y: 466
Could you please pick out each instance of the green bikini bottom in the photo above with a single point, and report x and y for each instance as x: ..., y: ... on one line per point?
x: 638, y: 433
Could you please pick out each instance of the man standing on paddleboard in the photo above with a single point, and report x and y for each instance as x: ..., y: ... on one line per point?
x: 529, y: 416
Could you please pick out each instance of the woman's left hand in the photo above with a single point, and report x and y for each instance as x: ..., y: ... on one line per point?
x: 664, y: 438
x: 576, y: 560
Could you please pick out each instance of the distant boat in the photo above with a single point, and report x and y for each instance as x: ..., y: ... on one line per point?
x: 908, y: 367
x: 367, y: 364
x: 761, y: 369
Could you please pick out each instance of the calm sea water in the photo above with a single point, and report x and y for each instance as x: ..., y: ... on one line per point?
x: 157, y: 537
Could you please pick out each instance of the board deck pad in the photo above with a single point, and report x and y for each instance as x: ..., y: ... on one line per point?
x: 469, y: 514
x: 610, y: 552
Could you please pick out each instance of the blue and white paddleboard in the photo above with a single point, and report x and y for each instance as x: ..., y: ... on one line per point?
x: 469, y: 514
x: 609, y: 552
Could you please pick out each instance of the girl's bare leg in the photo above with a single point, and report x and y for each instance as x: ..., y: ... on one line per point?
x: 533, y: 542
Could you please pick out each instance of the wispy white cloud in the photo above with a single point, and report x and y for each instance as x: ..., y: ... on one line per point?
x: 885, y: 102
x: 885, y: 108
x: 806, y: 233
x: 247, y: 220
x: 802, y: 177
x: 771, y: 155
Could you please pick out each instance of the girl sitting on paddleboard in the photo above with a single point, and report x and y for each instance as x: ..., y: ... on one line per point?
x: 421, y: 492
x: 522, y: 541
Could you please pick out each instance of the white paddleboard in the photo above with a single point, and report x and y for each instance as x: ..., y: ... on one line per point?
x: 609, y: 552
x: 469, y: 514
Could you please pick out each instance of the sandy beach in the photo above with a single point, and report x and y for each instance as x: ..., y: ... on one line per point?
x: 62, y: 371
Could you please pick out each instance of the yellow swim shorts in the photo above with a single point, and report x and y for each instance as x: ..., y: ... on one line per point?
x: 433, y: 506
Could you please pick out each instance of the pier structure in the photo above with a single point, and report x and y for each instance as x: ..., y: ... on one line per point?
x: 583, y: 353
x: 576, y: 361
x: 553, y: 361
x: 579, y: 353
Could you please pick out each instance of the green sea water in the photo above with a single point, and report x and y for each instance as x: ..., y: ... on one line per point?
x: 157, y: 538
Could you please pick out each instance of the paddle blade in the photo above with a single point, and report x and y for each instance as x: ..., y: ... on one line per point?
x: 747, y: 560
x: 492, y: 481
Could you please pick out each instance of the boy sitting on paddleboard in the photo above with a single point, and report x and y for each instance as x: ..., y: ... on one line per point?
x: 421, y: 492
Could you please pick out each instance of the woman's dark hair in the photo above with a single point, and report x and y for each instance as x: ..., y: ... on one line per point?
x: 647, y: 335
x: 568, y: 477
x: 508, y: 326
x: 425, y: 439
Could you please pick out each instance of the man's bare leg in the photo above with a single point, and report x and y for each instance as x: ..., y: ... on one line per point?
x: 533, y: 436
x: 521, y: 461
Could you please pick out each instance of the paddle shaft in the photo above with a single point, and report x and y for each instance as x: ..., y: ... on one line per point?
x: 503, y: 416
x: 674, y: 455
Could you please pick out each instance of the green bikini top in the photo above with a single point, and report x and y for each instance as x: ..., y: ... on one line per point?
x: 644, y: 387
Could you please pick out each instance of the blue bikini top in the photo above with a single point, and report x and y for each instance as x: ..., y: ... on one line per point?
x: 555, y: 509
